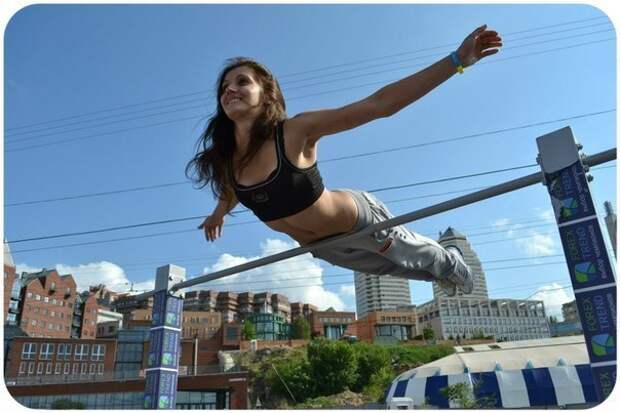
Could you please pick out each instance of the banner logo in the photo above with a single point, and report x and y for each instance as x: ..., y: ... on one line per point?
x: 568, y: 207
x: 603, y: 344
x: 585, y: 271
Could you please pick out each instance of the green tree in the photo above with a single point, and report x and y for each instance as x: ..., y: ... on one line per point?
x: 333, y: 366
x: 291, y: 375
x: 248, y: 331
x: 370, y: 359
x: 300, y: 329
x: 66, y: 404
x: 553, y: 319
x: 428, y: 333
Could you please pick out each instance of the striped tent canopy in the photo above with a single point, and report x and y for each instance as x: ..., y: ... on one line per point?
x: 561, y: 385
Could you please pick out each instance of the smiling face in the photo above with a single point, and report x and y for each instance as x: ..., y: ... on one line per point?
x: 241, y: 94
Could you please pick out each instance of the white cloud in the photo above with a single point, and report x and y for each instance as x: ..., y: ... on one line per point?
x: 546, y: 214
x: 529, y: 241
x: 501, y: 223
x: 553, y: 296
x: 95, y: 273
x: 19, y: 268
x: 347, y: 290
x: 536, y: 244
x: 299, y: 278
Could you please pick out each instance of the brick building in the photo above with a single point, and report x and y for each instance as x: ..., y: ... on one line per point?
x: 47, y: 304
x: 387, y: 326
x: 84, y: 322
x: 227, y: 305
x: 35, y: 356
x: 302, y: 310
x: 333, y: 324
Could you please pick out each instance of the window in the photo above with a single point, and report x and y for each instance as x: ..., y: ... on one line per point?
x: 67, y: 369
x: 48, y: 368
x: 54, y: 301
x: 75, y: 368
x: 29, y: 351
x: 37, y: 297
x: 40, y: 367
x: 46, y: 299
x: 100, y: 368
x: 81, y: 351
x: 92, y: 368
x: 98, y: 352
x: 29, y: 295
x: 47, y: 349
x: 33, y: 322
x: 84, y: 368
x: 31, y: 368
x: 23, y: 366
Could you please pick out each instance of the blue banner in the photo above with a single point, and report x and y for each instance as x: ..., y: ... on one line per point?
x: 164, y: 348
x: 586, y: 254
x: 160, y: 389
x: 164, y: 352
x: 570, y: 194
x: 589, y: 267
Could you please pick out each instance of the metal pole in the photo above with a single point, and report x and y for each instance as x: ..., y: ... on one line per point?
x: 165, y: 342
x: 490, y: 192
x: 591, y: 271
x: 474, y: 197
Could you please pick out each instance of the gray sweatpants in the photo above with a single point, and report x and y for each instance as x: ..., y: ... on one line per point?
x: 395, y: 251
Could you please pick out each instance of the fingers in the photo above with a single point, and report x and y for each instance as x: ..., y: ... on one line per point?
x: 488, y: 52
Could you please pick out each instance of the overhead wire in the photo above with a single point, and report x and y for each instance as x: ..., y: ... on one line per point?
x: 292, y: 98
x: 284, y: 76
x: 159, y: 222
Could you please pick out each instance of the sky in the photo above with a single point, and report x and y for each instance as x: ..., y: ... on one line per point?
x: 107, y: 98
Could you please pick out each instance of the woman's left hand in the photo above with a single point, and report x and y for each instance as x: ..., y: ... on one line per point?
x: 480, y: 43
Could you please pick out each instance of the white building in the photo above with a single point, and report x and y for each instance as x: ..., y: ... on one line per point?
x: 380, y: 293
x: 505, y: 319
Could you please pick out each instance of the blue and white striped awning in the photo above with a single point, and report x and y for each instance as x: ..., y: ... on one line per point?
x: 531, y: 387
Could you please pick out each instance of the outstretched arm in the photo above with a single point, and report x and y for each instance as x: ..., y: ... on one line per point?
x: 395, y: 96
x: 212, y: 225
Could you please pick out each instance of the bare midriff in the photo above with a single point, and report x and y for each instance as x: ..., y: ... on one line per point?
x: 335, y: 212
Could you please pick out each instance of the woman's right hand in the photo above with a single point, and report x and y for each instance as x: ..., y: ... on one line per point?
x: 212, y: 226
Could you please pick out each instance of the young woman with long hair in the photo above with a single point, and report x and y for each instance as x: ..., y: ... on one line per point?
x: 251, y: 152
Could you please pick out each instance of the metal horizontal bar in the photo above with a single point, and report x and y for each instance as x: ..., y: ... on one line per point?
x: 481, y: 195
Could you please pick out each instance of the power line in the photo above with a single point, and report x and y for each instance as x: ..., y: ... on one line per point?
x: 96, y: 231
x: 359, y: 155
x: 156, y: 234
x: 294, y: 98
x: 505, y: 35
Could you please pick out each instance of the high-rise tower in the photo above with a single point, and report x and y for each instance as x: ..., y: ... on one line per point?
x: 380, y: 292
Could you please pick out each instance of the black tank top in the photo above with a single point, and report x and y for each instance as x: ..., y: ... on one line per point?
x: 287, y: 191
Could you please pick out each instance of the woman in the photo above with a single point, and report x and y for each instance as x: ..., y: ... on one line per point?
x: 252, y: 153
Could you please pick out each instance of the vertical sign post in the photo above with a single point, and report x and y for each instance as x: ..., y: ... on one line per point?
x: 586, y: 255
x: 165, y: 342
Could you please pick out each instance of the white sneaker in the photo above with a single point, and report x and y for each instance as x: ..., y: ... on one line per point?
x: 462, y: 276
x: 447, y: 286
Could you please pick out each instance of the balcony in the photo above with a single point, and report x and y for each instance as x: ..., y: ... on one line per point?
x: 14, y: 307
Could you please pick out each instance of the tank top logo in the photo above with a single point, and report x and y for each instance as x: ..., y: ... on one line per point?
x: 260, y: 197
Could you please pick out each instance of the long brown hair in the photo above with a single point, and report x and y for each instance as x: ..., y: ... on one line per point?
x: 216, y: 145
